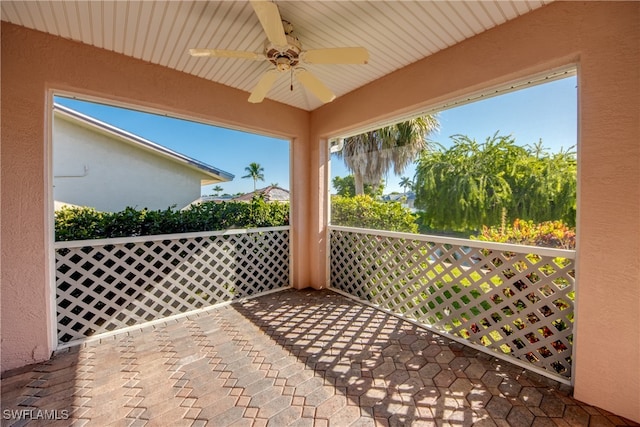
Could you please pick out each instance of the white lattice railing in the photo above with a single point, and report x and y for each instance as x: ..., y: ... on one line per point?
x: 515, y: 300
x: 110, y: 284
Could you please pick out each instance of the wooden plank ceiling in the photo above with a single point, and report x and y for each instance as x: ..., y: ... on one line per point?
x: 396, y: 33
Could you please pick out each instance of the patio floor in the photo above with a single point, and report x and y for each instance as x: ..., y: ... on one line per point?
x: 303, y: 358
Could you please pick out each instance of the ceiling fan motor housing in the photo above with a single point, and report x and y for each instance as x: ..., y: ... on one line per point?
x: 284, y: 57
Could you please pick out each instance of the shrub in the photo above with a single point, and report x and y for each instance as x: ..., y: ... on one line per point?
x: 78, y: 223
x: 125, y: 223
x: 550, y: 234
x: 365, y: 212
x: 73, y: 223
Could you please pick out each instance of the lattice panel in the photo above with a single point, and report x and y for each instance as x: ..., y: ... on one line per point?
x: 106, y: 287
x: 516, y: 303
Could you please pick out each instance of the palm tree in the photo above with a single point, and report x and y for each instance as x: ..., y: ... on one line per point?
x: 370, y: 156
x: 217, y: 189
x: 255, y: 172
x: 406, y: 183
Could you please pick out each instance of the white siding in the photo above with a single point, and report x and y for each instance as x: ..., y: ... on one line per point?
x: 93, y: 169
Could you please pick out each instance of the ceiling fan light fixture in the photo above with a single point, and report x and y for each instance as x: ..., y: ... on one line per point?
x: 283, y: 63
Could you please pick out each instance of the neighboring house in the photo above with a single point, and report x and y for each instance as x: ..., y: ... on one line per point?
x: 98, y: 165
x: 407, y: 200
x: 209, y: 198
x: 270, y: 194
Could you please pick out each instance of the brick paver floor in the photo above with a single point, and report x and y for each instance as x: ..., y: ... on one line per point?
x: 300, y: 358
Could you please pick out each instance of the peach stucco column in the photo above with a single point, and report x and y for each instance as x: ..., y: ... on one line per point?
x: 309, y: 207
x: 26, y: 286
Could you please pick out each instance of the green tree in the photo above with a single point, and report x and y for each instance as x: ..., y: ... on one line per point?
x: 371, y: 155
x: 255, y: 172
x: 546, y: 189
x: 471, y: 184
x: 406, y: 183
x: 346, y: 187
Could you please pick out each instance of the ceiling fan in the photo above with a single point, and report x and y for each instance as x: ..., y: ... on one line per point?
x: 284, y: 51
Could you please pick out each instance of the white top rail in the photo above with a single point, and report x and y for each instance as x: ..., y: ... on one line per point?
x: 157, y: 237
x: 505, y: 247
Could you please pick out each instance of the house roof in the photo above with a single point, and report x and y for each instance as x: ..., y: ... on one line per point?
x: 271, y: 193
x: 212, y: 173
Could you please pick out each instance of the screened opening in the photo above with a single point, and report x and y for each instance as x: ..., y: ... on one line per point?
x: 120, y: 172
x: 500, y: 166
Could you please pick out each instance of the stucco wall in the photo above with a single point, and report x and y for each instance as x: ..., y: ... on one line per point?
x: 93, y: 169
x: 601, y: 38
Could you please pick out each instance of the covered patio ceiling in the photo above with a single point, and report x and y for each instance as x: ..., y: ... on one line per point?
x: 396, y: 34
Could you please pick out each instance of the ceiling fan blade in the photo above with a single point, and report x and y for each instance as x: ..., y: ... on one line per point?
x: 338, y: 55
x: 315, y: 86
x: 262, y: 88
x: 221, y: 53
x: 270, y: 20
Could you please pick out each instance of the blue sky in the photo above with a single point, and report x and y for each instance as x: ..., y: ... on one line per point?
x: 547, y: 112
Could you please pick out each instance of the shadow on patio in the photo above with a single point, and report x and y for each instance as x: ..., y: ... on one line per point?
x: 287, y: 358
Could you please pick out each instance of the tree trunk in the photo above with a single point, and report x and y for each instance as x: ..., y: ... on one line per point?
x: 359, y: 184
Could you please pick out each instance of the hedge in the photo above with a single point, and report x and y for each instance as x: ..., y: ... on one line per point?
x: 81, y: 223
x: 366, y: 212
